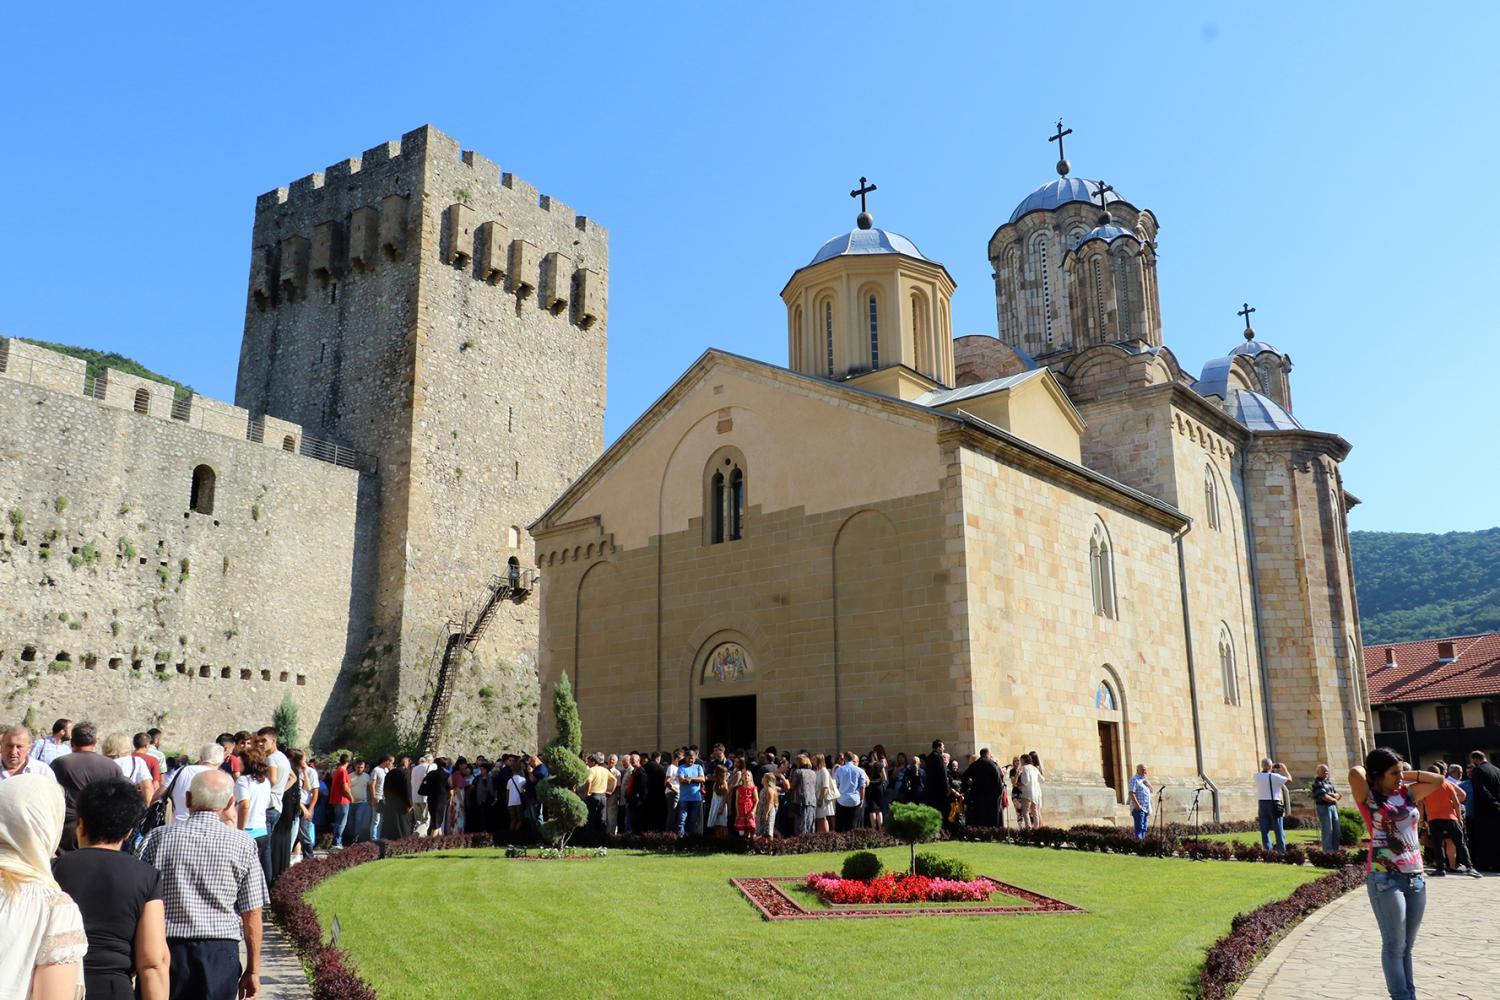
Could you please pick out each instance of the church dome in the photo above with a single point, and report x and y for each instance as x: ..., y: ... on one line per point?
x: 866, y: 241
x: 1260, y: 412
x: 1108, y: 232
x: 1252, y: 347
x: 1055, y: 194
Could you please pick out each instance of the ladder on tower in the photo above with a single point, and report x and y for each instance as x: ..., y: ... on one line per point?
x: 461, y: 637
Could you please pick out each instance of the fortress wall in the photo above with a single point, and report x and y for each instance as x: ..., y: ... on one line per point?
x: 125, y: 607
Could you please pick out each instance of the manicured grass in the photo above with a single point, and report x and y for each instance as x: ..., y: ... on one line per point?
x: 1300, y: 838
x: 474, y: 924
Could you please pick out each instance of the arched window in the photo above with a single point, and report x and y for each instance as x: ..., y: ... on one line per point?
x: 1211, y: 498
x: 513, y: 537
x: 1122, y: 293
x: 716, y: 512
x: 828, y: 333
x: 799, y: 340
x: 1099, y: 315
x: 202, y: 497
x: 874, y: 307
x: 920, y: 346
x: 1226, y: 666
x: 1102, y: 573
x: 736, y: 504
x: 1104, y: 697
x: 288, y: 443
x: 725, y: 496
x: 142, y: 401
x: 513, y: 572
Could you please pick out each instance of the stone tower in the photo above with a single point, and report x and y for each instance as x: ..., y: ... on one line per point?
x: 448, y: 322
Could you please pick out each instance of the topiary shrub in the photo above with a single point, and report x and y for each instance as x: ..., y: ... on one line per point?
x: 566, y: 771
x: 937, y: 866
x: 912, y: 824
x: 862, y: 865
x: 1351, y: 827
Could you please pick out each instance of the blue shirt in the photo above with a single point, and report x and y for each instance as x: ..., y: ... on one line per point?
x: 689, y: 792
x: 1468, y: 787
x: 851, y: 780
x: 1141, y: 793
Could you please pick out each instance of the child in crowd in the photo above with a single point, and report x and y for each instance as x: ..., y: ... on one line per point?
x: 765, y: 810
x: 718, y: 810
x: 744, y: 804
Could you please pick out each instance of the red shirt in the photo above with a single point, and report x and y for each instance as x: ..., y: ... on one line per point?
x: 150, y: 763
x: 338, y: 788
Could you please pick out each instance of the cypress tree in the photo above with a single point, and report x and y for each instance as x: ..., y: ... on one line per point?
x: 565, y: 811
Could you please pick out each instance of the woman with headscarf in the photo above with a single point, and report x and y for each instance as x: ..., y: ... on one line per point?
x: 42, y: 930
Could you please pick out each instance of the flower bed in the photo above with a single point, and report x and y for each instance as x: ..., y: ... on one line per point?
x: 555, y: 854
x: 897, y: 888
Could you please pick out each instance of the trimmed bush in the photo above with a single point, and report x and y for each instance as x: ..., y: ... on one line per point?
x: 937, y: 866
x: 1351, y: 827
x: 913, y: 824
x: 862, y: 865
x: 566, y: 771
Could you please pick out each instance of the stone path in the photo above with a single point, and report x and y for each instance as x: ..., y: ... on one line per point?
x: 281, y: 975
x: 1335, y: 953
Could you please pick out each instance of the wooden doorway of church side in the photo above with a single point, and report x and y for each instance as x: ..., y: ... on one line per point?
x: 730, y: 721
x: 1109, y: 756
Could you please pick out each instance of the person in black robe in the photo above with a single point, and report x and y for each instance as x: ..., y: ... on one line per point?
x: 1484, y: 824
x: 983, y: 790
x: 655, y: 793
x: 397, y: 822
x: 935, y: 779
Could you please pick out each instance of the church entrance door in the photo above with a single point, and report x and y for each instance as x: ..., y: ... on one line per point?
x: 1109, y: 754
x: 730, y: 721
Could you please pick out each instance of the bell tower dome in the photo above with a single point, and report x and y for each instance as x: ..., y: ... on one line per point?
x: 868, y: 301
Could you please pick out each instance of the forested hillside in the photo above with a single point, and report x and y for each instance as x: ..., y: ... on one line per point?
x: 1414, y: 586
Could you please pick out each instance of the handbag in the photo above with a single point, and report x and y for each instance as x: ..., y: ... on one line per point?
x: 158, y: 813
x: 1278, y: 807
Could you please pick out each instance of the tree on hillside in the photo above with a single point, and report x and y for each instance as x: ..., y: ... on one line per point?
x: 1423, y: 586
x: 565, y: 810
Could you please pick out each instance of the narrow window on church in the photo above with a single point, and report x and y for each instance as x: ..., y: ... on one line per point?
x: 1226, y: 667
x: 736, y: 504
x: 1211, y: 498
x: 1101, y: 574
x: 799, y: 345
x: 874, y: 333
x: 716, y: 514
x: 1099, y: 299
x: 828, y: 333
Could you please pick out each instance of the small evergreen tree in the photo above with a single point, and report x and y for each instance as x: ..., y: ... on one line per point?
x: 566, y: 771
x: 284, y: 719
x: 912, y: 824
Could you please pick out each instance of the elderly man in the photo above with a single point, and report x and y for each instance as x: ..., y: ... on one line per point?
x: 15, y: 754
x: 210, y: 757
x: 1140, y: 801
x: 1326, y: 800
x: 1270, y: 808
x: 214, y: 891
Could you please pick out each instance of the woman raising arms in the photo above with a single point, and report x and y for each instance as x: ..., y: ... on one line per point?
x: 1388, y: 797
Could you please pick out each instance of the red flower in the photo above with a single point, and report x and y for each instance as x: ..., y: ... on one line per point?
x: 894, y: 888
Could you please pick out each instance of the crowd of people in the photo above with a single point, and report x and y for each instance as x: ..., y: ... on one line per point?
x: 137, y: 874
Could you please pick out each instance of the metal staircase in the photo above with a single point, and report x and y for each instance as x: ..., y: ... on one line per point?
x: 461, y: 637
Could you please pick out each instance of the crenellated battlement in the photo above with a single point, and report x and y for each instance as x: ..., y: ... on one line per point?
x: 407, y: 154
x: 49, y: 369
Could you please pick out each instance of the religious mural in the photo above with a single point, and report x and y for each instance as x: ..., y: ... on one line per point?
x: 726, y: 662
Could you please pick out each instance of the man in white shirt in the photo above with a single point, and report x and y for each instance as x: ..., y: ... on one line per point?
x: 419, y: 815
x: 55, y: 746
x: 210, y: 756
x: 15, y: 755
x: 1268, y: 786
x: 279, y: 774
x: 377, y: 793
x: 851, y: 781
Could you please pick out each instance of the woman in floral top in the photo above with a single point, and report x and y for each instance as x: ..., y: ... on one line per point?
x: 1388, y: 796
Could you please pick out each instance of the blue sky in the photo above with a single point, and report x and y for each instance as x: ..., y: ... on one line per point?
x: 1333, y: 167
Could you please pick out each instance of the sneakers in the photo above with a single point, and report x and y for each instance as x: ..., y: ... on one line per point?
x: 1472, y: 873
x: 1439, y: 873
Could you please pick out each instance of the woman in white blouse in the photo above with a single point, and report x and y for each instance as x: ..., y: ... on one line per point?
x: 44, y: 943
x: 135, y: 770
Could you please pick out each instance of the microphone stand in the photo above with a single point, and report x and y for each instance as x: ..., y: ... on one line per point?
x: 1196, y: 793
x: 1159, y: 792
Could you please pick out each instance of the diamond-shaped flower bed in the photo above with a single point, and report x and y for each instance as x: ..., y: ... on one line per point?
x: 826, y: 896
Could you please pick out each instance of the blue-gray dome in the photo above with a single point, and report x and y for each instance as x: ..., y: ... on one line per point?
x: 1055, y: 194
x: 1253, y: 347
x: 1108, y: 233
x: 1261, y: 413
x: 866, y: 241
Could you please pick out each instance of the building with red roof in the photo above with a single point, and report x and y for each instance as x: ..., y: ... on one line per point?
x: 1436, y: 699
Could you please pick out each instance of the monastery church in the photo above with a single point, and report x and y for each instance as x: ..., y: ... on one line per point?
x: 1056, y: 539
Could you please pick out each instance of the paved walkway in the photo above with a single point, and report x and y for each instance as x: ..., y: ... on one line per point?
x: 1335, y: 953
x: 281, y: 975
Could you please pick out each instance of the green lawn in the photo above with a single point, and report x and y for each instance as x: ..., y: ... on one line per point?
x: 461, y: 924
x: 1299, y: 838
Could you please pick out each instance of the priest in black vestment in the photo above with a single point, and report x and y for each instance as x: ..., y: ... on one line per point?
x: 983, y: 790
x: 1484, y: 826
x: 935, y: 780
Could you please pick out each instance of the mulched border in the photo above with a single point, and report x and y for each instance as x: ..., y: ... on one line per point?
x: 766, y: 894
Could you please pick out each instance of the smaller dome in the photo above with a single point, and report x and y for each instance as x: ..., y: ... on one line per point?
x: 866, y: 241
x: 1253, y: 347
x: 1108, y: 233
x: 1260, y: 412
x: 1055, y: 194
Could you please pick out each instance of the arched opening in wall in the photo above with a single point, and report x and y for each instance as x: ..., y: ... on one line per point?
x: 142, y: 401
x: 1211, y: 498
x: 799, y: 340
x: 726, y: 484
x: 201, y: 500
x: 1102, y: 572
x: 289, y: 443
x: 736, y: 504
x: 1111, y: 747
x: 828, y: 332
x: 513, y: 572
x: 1096, y: 266
x: 873, y: 306
x: 513, y: 537
x: 920, y: 335
x: 1042, y: 266
x: 1227, y: 666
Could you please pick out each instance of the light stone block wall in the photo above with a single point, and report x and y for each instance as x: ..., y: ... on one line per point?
x: 125, y: 608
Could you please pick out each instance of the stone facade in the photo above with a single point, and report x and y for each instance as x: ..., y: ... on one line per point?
x: 444, y: 326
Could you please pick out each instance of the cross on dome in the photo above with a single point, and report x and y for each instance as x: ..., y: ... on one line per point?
x: 1103, y: 190
x: 1063, y: 166
x: 864, y: 219
x: 1245, y: 312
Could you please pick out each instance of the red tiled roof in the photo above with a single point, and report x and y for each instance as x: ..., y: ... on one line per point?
x: 1419, y: 675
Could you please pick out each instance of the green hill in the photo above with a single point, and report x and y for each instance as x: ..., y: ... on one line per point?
x: 97, y: 361
x: 1414, y: 586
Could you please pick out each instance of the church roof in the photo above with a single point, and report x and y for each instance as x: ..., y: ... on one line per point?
x: 866, y: 241
x: 1253, y: 347
x: 1260, y: 412
x: 1421, y: 673
x: 1055, y: 194
x: 1215, y: 378
x: 942, y: 397
x: 1108, y: 233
